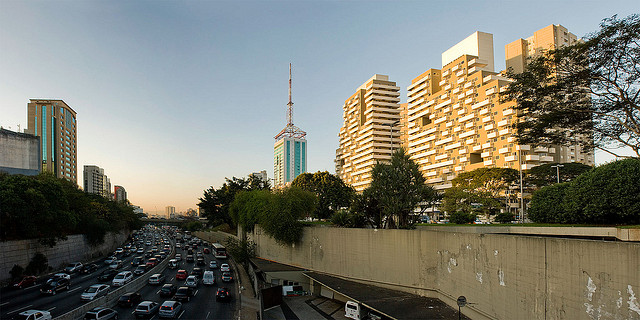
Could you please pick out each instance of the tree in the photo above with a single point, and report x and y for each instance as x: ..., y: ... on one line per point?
x: 545, y: 175
x: 331, y: 191
x: 399, y: 188
x: 590, y: 89
x: 478, y: 191
x: 367, y: 206
x: 547, y: 204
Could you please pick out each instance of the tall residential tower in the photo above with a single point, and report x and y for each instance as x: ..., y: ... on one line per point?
x: 289, y: 150
x: 55, y: 123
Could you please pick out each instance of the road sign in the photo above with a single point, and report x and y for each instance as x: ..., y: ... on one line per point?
x: 462, y: 301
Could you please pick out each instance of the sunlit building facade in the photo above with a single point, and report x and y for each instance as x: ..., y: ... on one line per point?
x: 289, y: 160
x: 96, y: 181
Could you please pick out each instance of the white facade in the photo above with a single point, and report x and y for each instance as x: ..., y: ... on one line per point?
x: 95, y: 181
x: 479, y: 44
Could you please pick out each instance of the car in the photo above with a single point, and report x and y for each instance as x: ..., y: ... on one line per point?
x: 115, y: 264
x: 213, y: 264
x: 152, y: 263
x: 73, y: 267
x: 156, y: 279
x: 140, y: 250
x: 54, y: 286
x: 181, y: 274
x: 34, y: 315
x: 189, y: 258
x: 140, y: 269
x: 170, y: 309
x: 58, y: 276
x: 225, y: 268
x: 206, y: 250
x: 183, y: 294
x: 119, y: 251
x: 173, y: 264
x: 129, y: 299
x: 94, y: 291
x: 208, y: 278
x: 100, y: 313
x: 178, y: 257
x: 168, y: 290
x: 137, y: 260
x: 197, y: 272
x: 110, y: 259
x: 88, y: 268
x: 146, y: 309
x: 200, y: 261
x: 122, y: 278
x: 191, y: 282
x: 107, y: 275
x: 223, y: 294
x: 227, y: 277
x: 26, y: 281
x: 148, y: 254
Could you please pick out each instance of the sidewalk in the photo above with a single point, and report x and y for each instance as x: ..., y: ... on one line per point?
x: 248, y: 305
x: 306, y: 308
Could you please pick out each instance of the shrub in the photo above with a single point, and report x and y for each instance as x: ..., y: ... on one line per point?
x: 504, y: 217
x: 16, y: 272
x: 38, y: 264
x: 547, y: 204
x: 462, y: 217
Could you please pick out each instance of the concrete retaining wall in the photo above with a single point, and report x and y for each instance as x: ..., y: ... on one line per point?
x: 75, y: 248
x: 504, y: 276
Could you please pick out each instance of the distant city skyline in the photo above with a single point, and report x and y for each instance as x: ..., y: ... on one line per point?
x: 172, y: 97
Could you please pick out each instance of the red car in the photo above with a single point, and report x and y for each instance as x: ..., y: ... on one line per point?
x: 25, y: 282
x: 152, y: 262
x: 206, y: 250
x: 181, y: 275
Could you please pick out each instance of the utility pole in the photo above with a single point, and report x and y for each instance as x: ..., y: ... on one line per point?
x: 558, y: 166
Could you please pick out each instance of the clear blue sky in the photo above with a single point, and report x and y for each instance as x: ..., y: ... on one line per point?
x: 174, y: 96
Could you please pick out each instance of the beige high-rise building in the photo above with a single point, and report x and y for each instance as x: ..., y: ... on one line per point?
x: 551, y: 37
x: 55, y: 123
x: 457, y: 122
x: 371, y: 129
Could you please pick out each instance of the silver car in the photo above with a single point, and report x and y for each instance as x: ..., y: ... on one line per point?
x: 170, y: 309
x: 191, y: 282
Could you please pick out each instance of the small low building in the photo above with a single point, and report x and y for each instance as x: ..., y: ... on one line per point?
x: 19, y: 153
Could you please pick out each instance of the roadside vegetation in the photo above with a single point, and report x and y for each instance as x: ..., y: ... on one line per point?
x: 49, y: 209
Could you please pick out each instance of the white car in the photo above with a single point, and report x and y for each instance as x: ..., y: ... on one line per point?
x: 122, y: 278
x: 95, y: 291
x: 208, y: 278
x: 116, y: 264
x: 157, y: 278
x: 119, y: 251
x: 213, y: 264
x: 34, y: 315
x: 225, y: 268
x: 191, y: 282
x: 73, y: 267
x: 109, y: 260
x: 59, y: 275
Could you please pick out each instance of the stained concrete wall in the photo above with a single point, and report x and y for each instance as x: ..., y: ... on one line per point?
x: 75, y: 248
x: 504, y: 276
x: 19, y: 153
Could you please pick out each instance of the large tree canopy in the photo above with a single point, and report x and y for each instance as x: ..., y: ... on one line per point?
x: 590, y: 89
x: 547, y: 174
x: 332, y: 192
x: 215, y: 203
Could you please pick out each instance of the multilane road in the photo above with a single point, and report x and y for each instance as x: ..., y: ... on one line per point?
x: 202, y: 306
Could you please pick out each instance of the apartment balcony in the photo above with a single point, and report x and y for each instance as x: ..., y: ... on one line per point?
x: 470, y: 141
x: 417, y: 83
x: 469, y: 92
x: 508, y: 112
x: 468, y: 84
x: 456, y: 169
x: 467, y: 134
x: 503, y: 132
x: 510, y: 158
x: 448, y: 124
x: 473, y: 69
x: 456, y: 106
x: 431, y: 173
x: 490, y: 91
x: 524, y: 147
x: 486, y: 119
x: 446, y: 73
x: 552, y: 150
x: 477, y: 148
x: 541, y: 149
x: 468, y: 101
x: 461, y: 96
x: 441, y: 83
x: 531, y: 157
x: 486, y: 145
x: 488, y: 127
x: 447, y: 87
x: 470, y: 125
x: 461, y: 80
x: 546, y: 159
x: 485, y: 154
x: 455, y: 68
x: 492, y: 135
x: 503, y: 123
x: 527, y: 166
x: 461, y: 112
x: 488, y: 162
x: 435, y: 180
x: 444, y: 96
x: 456, y: 129
x: 440, y: 157
x: 467, y: 117
x: 455, y: 90
x: 503, y: 150
x: 460, y: 73
x: 483, y: 111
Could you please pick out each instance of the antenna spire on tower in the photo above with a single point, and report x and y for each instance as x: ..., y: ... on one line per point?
x: 290, y: 130
x: 290, y: 104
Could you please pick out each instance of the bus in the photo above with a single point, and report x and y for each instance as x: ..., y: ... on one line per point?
x: 219, y: 251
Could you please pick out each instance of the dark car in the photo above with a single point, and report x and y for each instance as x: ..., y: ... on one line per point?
x: 197, y: 272
x: 140, y: 269
x: 200, y: 261
x: 129, y: 299
x: 146, y: 309
x: 100, y: 313
x: 54, y: 286
x: 189, y: 258
x: 206, y: 250
x: 89, y: 268
x: 183, y: 294
x: 226, y: 277
x: 222, y: 294
x: 168, y: 290
x: 26, y: 281
x: 107, y: 275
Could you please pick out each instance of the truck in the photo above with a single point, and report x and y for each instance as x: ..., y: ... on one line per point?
x: 356, y: 311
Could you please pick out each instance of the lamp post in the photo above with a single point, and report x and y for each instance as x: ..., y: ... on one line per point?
x: 558, y: 166
x: 391, y: 134
x: 521, y: 188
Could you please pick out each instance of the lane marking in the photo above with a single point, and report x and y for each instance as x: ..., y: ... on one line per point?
x: 208, y: 313
x: 2, y: 304
x: 27, y: 307
x: 51, y: 309
x: 72, y: 290
x: 181, y: 313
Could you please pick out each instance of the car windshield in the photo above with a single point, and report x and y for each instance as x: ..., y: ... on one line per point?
x: 120, y: 276
x: 91, y: 289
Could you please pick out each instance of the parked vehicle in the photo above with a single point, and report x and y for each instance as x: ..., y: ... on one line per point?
x: 73, y: 267
x: 122, y: 278
x: 156, y: 279
x: 168, y: 290
x: 26, y: 281
x: 208, y: 278
x: 223, y: 294
x: 354, y: 310
x: 146, y: 309
x: 101, y: 313
x: 34, y: 315
x: 129, y: 299
x: 170, y: 309
x: 54, y: 286
x: 94, y: 291
x: 183, y: 294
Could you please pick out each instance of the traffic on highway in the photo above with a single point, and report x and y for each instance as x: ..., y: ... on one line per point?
x: 194, y: 284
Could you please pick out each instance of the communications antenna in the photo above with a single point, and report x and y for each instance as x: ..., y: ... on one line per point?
x: 290, y: 130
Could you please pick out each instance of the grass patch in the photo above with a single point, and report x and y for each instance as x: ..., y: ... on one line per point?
x: 530, y: 225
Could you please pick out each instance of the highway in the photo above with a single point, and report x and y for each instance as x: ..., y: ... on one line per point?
x: 202, y: 306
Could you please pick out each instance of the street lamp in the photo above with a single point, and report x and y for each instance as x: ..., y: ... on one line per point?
x: 391, y: 125
x: 558, y: 166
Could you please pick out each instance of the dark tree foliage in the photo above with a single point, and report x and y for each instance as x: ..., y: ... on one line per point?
x: 215, y: 203
x: 47, y: 208
x: 241, y: 250
x: 399, y: 188
x: 346, y: 219
x: 331, y: 191
x: 504, y: 217
x: 38, y: 264
x: 545, y: 175
x: 478, y: 191
x: 460, y: 217
x: 366, y: 205
x: 590, y: 89
x: 608, y: 194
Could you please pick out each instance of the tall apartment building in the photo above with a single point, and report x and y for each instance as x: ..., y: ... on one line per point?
x: 289, y: 150
x: 55, y: 123
x: 170, y: 211
x: 517, y: 53
x: 457, y: 121
x: 370, y: 131
x: 96, y: 181
x: 120, y: 194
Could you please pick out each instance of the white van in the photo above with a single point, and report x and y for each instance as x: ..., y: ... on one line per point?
x: 208, y: 278
x: 173, y: 263
x: 354, y: 310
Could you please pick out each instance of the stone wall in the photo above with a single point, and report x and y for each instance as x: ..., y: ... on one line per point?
x: 75, y: 248
x: 504, y: 276
x: 19, y: 153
